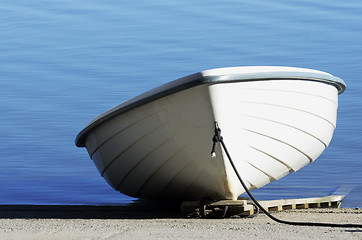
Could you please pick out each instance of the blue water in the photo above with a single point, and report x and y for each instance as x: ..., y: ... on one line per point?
x: 64, y: 62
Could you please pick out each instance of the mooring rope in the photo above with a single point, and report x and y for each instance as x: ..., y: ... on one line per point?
x: 218, y: 138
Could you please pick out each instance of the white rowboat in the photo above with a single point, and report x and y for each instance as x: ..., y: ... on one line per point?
x: 274, y: 120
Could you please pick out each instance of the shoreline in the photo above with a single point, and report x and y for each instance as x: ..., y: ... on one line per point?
x: 165, y: 222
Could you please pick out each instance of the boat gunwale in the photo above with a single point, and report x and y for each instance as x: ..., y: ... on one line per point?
x: 207, y: 77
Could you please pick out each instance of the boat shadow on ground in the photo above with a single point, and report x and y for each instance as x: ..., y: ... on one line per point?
x: 130, y: 211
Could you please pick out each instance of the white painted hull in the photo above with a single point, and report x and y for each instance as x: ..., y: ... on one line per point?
x: 161, y: 148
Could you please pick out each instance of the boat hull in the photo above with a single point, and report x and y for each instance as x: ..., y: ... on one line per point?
x: 161, y: 148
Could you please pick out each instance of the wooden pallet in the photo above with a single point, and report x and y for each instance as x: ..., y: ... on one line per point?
x: 243, y: 207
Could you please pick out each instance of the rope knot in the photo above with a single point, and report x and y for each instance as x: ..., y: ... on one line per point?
x: 215, y: 139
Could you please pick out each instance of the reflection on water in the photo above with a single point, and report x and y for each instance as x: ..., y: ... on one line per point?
x: 64, y: 62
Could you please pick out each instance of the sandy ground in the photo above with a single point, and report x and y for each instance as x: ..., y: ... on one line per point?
x: 128, y: 223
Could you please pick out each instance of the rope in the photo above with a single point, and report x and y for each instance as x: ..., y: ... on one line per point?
x: 218, y: 138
